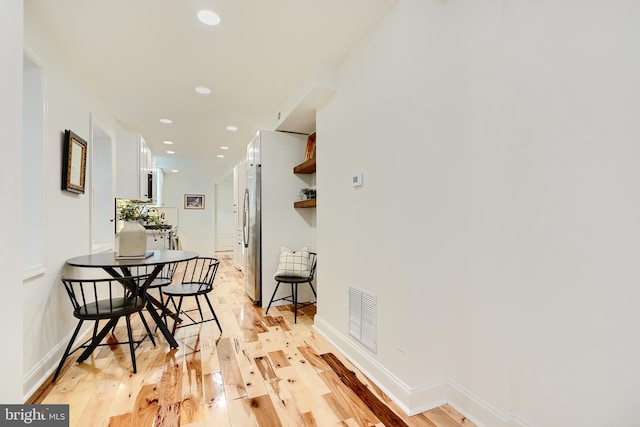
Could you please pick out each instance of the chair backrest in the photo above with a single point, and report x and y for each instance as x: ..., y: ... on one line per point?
x: 164, y: 277
x: 201, y: 270
x: 168, y: 271
x: 313, y: 260
x: 103, y: 298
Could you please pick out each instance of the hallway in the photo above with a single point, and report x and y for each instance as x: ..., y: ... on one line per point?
x: 262, y: 371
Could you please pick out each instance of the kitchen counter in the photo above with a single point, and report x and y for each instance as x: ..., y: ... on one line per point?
x: 159, y: 238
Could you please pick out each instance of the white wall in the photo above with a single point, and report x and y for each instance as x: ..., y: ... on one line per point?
x: 498, y: 221
x: 46, y: 320
x: 46, y: 313
x: 11, y: 27
x: 197, y: 226
x: 365, y: 234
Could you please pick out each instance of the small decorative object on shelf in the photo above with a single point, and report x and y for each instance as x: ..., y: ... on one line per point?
x: 310, y: 153
x: 307, y: 193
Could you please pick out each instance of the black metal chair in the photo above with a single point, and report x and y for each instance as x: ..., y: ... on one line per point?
x: 164, y: 278
x: 294, y: 282
x: 106, y: 299
x: 197, y: 281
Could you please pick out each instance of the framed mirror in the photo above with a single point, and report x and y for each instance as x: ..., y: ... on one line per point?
x: 74, y: 162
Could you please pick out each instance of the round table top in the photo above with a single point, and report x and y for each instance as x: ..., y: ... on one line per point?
x: 109, y: 259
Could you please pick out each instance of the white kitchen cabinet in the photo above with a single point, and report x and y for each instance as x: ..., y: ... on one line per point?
x: 135, y: 168
x: 158, y: 239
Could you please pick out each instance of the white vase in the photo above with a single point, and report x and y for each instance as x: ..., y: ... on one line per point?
x: 132, y: 240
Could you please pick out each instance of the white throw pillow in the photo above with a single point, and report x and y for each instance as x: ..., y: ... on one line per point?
x: 294, y: 264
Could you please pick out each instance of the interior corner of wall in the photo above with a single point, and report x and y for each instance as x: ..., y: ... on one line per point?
x: 412, y: 401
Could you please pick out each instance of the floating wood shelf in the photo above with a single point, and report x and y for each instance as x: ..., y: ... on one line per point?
x: 311, y: 203
x: 308, y: 166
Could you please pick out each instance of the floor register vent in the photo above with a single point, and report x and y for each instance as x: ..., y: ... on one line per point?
x: 362, y: 317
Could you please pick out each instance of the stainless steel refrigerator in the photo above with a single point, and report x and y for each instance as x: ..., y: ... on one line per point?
x: 251, y: 232
x: 269, y: 219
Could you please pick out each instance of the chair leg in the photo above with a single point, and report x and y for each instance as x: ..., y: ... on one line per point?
x: 97, y: 339
x: 199, y: 308
x: 294, y: 294
x: 113, y: 329
x: 164, y: 313
x: 131, y: 349
x: 175, y: 307
x: 272, y: 297
x: 313, y: 290
x: 206, y: 297
x: 175, y: 324
x: 68, y: 349
x: 146, y: 326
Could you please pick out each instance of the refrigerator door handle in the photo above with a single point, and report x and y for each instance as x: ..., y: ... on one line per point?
x: 245, y: 219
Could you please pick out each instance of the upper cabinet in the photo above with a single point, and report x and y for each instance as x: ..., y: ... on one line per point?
x: 135, y: 168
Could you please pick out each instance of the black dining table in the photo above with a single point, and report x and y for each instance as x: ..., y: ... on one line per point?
x: 119, y: 268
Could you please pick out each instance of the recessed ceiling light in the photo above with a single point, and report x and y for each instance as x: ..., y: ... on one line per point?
x: 232, y: 128
x: 167, y: 142
x: 208, y: 17
x: 203, y: 90
x: 175, y: 170
x: 224, y: 148
x: 220, y: 155
x: 166, y: 121
x: 171, y: 152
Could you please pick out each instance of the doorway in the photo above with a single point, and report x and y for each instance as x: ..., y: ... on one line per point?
x: 103, y: 199
x: 225, y: 219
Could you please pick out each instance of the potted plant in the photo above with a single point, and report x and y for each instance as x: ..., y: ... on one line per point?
x: 307, y: 193
x: 132, y: 239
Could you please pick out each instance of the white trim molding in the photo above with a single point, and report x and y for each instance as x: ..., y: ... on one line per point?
x: 425, y: 397
x: 40, y: 373
x: 35, y: 271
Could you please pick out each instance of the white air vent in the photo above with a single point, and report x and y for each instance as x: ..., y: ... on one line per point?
x: 362, y: 317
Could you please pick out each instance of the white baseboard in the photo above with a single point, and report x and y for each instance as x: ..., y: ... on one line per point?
x: 39, y: 373
x: 418, y: 399
x: 479, y: 411
x: 432, y: 395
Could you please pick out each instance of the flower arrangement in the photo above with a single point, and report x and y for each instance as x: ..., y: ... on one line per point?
x: 134, y: 210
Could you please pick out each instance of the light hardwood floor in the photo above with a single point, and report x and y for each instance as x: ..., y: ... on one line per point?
x: 261, y: 371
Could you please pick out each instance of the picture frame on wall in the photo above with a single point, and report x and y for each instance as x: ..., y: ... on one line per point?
x: 194, y: 201
x: 74, y: 162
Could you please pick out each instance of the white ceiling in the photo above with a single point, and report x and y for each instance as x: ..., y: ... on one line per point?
x: 144, y: 58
